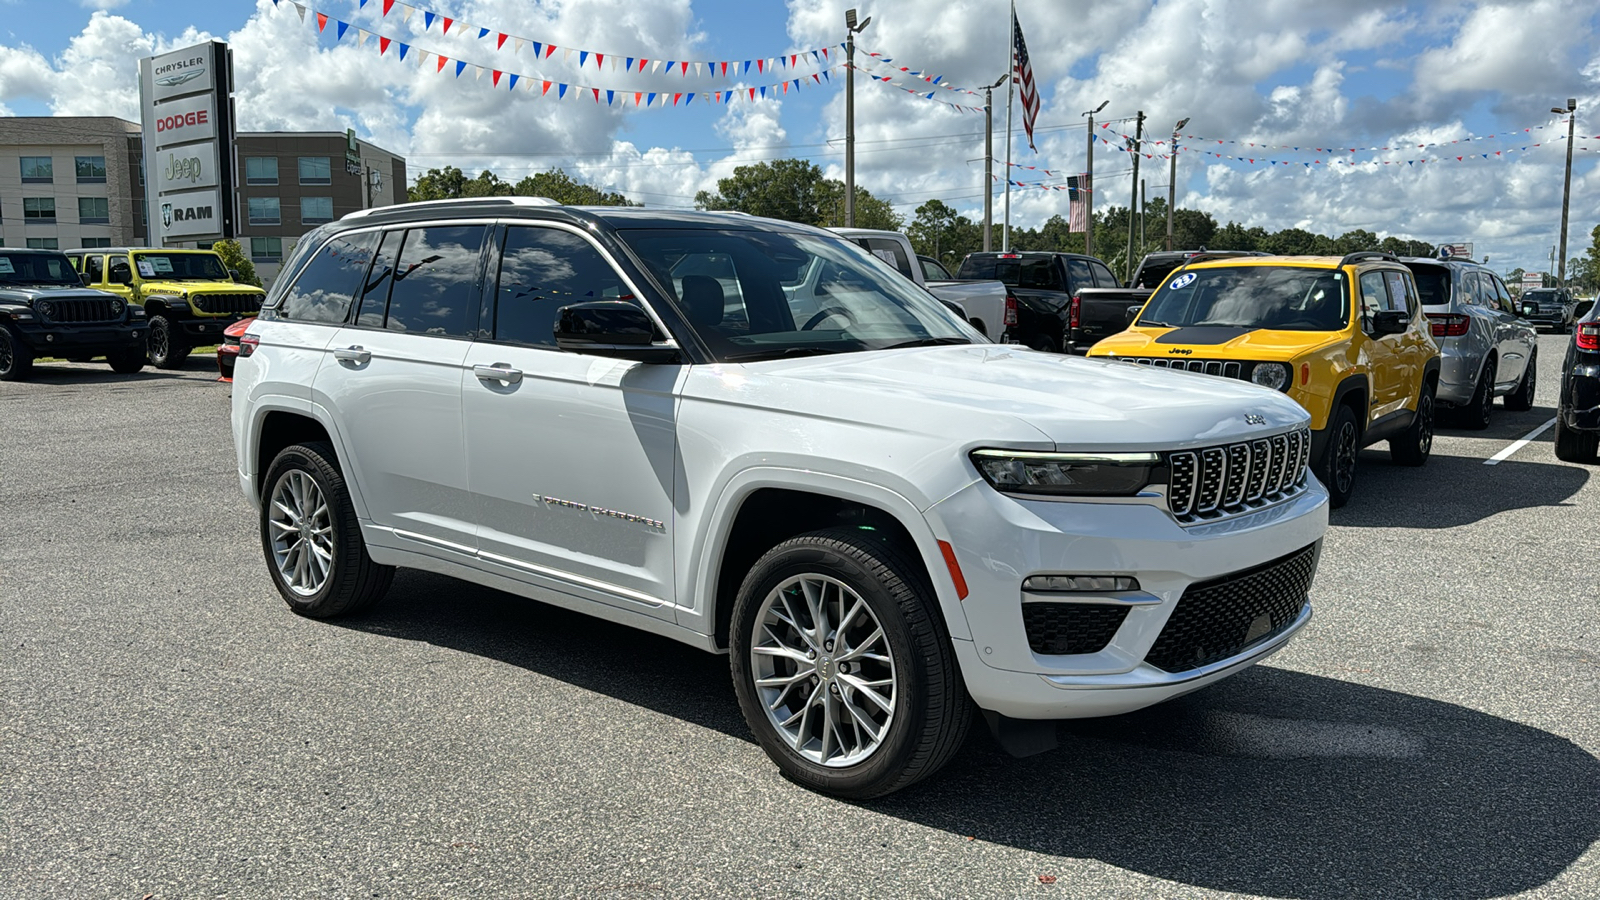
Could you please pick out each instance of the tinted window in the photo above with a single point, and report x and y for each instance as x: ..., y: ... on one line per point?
x: 375, y: 293
x: 36, y: 268
x: 542, y: 270
x: 1104, y: 278
x: 1040, y: 274
x: 435, y: 281
x: 1078, y: 271
x: 890, y: 252
x: 1433, y: 284
x: 932, y: 270
x: 324, y: 289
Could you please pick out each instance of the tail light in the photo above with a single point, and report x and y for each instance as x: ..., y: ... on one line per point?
x: 248, y: 344
x: 1011, y: 310
x: 1448, y: 324
x: 1073, y: 313
x: 1588, y: 335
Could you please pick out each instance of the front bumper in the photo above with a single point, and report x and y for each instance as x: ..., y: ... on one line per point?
x: 999, y: 541
x: 1580, y: 399
x: 1547, y: 319
x: 80, y: 340
x: 207, y: 329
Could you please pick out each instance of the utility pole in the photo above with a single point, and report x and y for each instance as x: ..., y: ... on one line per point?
x: 850, y: 114
x: 1087, y: 189
x: 1011, y: 89
x: 1138, y: 144
x: 988, y: 162
x: 1172, y: 178
x: 1144, y: 207
x: 1571, y: 112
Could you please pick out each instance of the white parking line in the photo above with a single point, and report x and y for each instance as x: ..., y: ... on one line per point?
x: 1527, y: 439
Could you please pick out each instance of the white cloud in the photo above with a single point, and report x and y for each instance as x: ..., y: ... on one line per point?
x: 103, y: 5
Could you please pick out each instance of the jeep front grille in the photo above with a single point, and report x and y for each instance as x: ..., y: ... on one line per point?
x: 1226, y: 368
x: 1214, y: 482
x: 79, y: 310
x: 229, y: 304
x: 1223, y: 617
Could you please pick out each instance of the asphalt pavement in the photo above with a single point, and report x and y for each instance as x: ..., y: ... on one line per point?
x: 168, y: 729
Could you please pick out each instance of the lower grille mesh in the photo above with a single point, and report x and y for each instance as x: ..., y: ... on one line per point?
x: 1056, y: 629
x: 1220, y: 618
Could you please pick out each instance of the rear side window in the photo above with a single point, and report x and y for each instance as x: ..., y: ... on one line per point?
x: 1374, y: 297
x: 326, y: 287
x: 978, y: 269
x: 1104, y: 278
x: 542, y: 270
x: 890, y: 252
x: 1433, y: 284
x: 95, y: 267
x: 1078, y: 269
x: 375, y: 292
x: 1040, y: 274
x: 1400, y: 297
x: 435, y: 281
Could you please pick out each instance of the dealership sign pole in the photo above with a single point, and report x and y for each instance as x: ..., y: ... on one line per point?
x: 186, y: 108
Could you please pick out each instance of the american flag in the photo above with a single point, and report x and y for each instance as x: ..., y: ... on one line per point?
x: 1022, y: 74
x: 1077, y: 194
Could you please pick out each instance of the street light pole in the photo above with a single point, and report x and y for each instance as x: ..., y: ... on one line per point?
x: 850, y: 114
x: 1133, y: 202
x: 1087, y: 188
x: 1172, y: 178
x: 988, y: 162
x: 1571, y: 112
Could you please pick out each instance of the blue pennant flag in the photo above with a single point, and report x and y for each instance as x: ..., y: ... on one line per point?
x: 343, y: 27
x: 403, y: 49
x: 583, y: 56
x: 363, y: 3
x: 427, y: 20
x: 747, y: 67
x: 561, y: 91
x: 825, y: 75
x: 688, y: 99
x: 460, y: 66
x: 483, y: 33
x: 763, y: 92
x: 538, y: 49
x: 727, y: 96
x: 652, y: 100
x: 514, y: 77
x: 609, y: 96
x: 629, y: 66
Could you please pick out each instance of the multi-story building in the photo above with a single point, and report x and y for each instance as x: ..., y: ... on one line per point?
x: 68, y: 182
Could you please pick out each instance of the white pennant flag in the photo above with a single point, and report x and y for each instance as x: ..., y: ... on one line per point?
x: 517, y: 45
x: 406, y: 11
x: 361, y: 37
x: 422, y: 58
x: 655, y: 67
x: 566, y: 56
x: 301, y: 10
x: 614, y: 64
x: 480, y: 72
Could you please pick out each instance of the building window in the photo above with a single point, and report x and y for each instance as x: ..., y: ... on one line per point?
x: 43, y: 244
x: 316, y: 210
x: 260, y: 170
x: 315, y: 170
x: 39, y: 210
x: 91, y: 169
x: 265, y: 211
x: 38, y: 170
x: 94, y: 211
x: 266, y: 249
x: 95, y: 242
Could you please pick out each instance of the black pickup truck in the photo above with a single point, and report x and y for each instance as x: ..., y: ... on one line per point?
x: 1040, y: 287
x: 1100, y: 312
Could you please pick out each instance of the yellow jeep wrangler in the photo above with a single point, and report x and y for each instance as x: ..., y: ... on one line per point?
x: 1346, y: 338
x: 189, y: 296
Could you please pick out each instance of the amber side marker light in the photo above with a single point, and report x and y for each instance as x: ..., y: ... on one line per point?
x: 955, y: 569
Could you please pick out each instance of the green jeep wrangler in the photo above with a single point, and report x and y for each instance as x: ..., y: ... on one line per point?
x: 188, y: 295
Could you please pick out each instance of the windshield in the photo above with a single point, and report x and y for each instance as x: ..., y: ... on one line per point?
x: 1014, y: 271
x: 180, y: 266
x: 1281, y: 298
x: 37, y: 268
x: 762, y: 295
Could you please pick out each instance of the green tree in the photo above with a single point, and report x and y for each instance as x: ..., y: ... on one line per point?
x: 930, y: 228
x: 1234, y: 236
x: 557, y: 185
x: 450, y: 183
x: 234, y: 257
x: 796, y: 191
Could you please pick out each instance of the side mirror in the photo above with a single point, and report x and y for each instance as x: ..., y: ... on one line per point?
x: 1133, y: 313
x: 84, y: 277
x: 1390, y: 321
x: 234, y: 274
x: 611, y: 328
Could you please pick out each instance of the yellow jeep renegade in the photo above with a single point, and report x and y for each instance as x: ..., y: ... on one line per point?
x: 1346, y: 338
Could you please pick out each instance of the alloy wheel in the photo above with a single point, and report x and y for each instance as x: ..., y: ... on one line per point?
x: 7, y: 358
x: 1425, y: 423
x: 302, y: 533
x: 160, y: 341
x: 1344, y: 457
x: 823, y: 670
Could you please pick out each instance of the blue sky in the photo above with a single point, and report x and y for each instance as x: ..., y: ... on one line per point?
x: 1295, y: 72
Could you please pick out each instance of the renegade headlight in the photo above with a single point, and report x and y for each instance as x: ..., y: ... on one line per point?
x: 1271, y: 375
x: 1066, y: 474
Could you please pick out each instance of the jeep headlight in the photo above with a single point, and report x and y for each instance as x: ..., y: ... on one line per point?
x: 1271, y: 375
x: 1066, y: 474
x: 44, y: 308
x: 116, y: 307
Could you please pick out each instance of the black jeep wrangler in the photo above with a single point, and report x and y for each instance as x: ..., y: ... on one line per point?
x: 46, y: 311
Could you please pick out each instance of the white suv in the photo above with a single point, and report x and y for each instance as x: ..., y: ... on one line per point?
x: 756, y: 438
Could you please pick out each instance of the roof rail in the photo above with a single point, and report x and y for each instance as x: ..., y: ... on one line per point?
x: 1360, y: 255
x: 458, y: 201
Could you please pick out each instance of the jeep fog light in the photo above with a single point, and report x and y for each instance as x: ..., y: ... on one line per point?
x: 1271, y: 375
x: 1050, y: 584
x: 1066, y: 474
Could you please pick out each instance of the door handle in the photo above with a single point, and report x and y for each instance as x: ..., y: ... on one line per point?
x: 357, y: 355
x: 501, y: 372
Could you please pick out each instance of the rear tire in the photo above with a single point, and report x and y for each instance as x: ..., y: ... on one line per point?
x: 1521, y: 399
x: 1475, y: 415
x: 1043, y: 343
x: 1576, y: 446
x: 311, y: 539
x: 126, y: 362
x: 167, y: 350
x: 16, y: 360
x: 1413, y: 447
x: 1337, y: 469
x: 887, y: 679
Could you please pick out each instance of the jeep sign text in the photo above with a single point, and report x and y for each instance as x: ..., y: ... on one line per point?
x: 182, y: 168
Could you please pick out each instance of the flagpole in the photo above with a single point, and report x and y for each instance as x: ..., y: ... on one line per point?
x: 1011, y: 86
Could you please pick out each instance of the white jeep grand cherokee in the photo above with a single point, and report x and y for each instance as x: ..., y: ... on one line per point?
x: 754, y: 437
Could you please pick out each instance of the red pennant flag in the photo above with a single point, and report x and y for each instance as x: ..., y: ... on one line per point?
x: 642, y: 63
x: 599, y: 61
x: 825, y: 53
x: 816, y: 77
x: 387, y: 5
x: 383, y: 45
x: 685, y: 68
x: 637, y: 95
x: 596, y: 95
x: 322, y: 21
x: 724, y: 70
x: 1458, y: 159
x: 752, y: 93
x: 761, y: 65
x: 675, y: 98
x: 549, y: 50
x: 786, y: 87
x: 792, y: 58
x: 546, y: 89
x: 442, y: 61
x: 447, y: 23
x: 500, y: 41
x: 495, y: 79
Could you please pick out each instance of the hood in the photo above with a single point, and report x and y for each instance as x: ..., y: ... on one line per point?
x: 200, y: 287
x: 986, y: 392
x: 1217, y: 342
x: 29, y: 293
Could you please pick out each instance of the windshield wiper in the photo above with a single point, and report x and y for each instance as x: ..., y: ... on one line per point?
x: 927, y: 342
x: 782, y: 353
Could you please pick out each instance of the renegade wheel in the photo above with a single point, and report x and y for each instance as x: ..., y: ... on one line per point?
x: 843, y: 666
x: 1338, y: 467
x: 311, y: 538
x: 1576, y: 446
x: 126, y: 362
x: 1413, y: 447
x: 1475, y: 415
x: 166, y: 345
x: 16, y: 360
x: 1522, y: 398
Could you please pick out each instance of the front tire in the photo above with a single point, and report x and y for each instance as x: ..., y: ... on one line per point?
x: 843, y: 666
x: 1413, y: 447
x: 311, y: 538
x: 1338, y: 466
x: 167, y: 350
x: 126, y: 362
x: 1521, y: 400
x: 16, y: 360
x: 1576, y: 446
